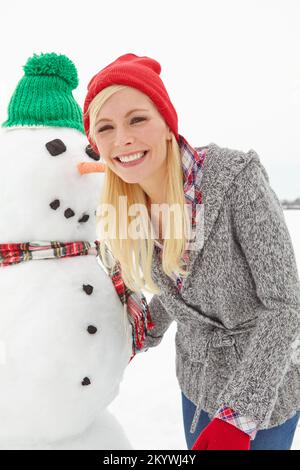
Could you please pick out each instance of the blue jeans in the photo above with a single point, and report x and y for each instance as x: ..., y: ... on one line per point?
x: 276, y: 438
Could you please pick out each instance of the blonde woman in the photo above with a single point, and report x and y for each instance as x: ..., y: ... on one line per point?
x: 223, y: 267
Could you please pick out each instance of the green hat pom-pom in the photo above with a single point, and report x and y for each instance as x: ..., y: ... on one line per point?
x: 52, y: 64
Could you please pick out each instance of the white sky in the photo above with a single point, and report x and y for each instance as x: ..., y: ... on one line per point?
x: 231, y: 67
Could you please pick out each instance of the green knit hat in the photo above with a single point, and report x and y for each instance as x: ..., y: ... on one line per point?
x: 43, y: 97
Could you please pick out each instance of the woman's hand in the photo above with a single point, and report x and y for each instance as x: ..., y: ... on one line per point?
x: 220, y: 435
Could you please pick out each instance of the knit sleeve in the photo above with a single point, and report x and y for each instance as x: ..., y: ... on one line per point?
x: 161, y: 320
x: 262, y: 234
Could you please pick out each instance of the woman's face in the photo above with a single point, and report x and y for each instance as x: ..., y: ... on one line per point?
x: 127, y: 125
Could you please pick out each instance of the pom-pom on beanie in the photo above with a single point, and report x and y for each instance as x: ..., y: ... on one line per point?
x: 43, y: 96
x: 137, y: 72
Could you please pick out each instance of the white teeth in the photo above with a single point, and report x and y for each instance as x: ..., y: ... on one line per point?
x: 130, y: 158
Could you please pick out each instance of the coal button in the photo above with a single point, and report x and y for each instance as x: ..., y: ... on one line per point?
x: 54, y: 204
x: 69, y: 213
x: 92, y: 329
x: 88, y: 289
x: 86, y: 381
x: 84, y: 218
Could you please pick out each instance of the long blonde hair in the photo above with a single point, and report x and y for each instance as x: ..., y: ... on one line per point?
x: 135, y: 255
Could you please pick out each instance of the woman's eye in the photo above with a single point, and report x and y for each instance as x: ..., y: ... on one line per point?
x: 104, y: 128
x: 133, y: 120
x: 138, y: 119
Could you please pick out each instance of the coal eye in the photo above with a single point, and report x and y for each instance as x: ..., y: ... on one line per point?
x: 91, y: 153
x: 55, y: 147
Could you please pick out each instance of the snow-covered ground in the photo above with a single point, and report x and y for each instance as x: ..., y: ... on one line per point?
x: 149, y: 403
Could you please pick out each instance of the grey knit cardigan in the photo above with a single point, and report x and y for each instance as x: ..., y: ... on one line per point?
x: 238, y: 315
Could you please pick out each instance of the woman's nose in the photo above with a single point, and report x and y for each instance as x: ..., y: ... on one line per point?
x: 123, y: 137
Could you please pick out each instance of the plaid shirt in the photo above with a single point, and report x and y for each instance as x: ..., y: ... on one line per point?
x: 242, y: 422
x: 135, y: 304
x: 192, y: 160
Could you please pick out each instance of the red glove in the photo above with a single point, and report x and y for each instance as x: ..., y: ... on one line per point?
x: 219, y: 435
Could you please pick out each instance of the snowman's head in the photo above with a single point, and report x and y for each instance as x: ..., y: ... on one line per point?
x: 45, y: 194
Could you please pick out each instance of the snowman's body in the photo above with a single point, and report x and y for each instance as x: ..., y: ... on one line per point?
x: 64, y: 337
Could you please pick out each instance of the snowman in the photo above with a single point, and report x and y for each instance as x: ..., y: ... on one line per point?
x: 65, y: 338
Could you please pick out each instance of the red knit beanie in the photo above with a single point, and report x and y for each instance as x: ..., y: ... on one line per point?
x: 137, y: 72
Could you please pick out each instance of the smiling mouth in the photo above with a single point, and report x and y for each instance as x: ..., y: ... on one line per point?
x: 132, y: 162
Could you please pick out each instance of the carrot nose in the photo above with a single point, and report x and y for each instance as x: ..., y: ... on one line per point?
x: 90, y: 167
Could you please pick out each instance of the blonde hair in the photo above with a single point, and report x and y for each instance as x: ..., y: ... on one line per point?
x: 135, y: 255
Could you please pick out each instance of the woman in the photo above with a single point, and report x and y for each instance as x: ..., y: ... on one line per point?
x: 226, y: 274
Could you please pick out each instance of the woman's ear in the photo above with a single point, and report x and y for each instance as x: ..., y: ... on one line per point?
x: 169, y: 134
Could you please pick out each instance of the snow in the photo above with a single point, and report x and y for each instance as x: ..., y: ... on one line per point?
x: 149, y: 403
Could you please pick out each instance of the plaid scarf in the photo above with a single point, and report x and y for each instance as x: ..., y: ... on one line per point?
x: 192, y: 160
x: 135, y: 304
x: 14, y: 253
x: 137, y: 309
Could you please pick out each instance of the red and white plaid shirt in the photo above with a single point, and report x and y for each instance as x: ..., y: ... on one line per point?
x: 242, y: 422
